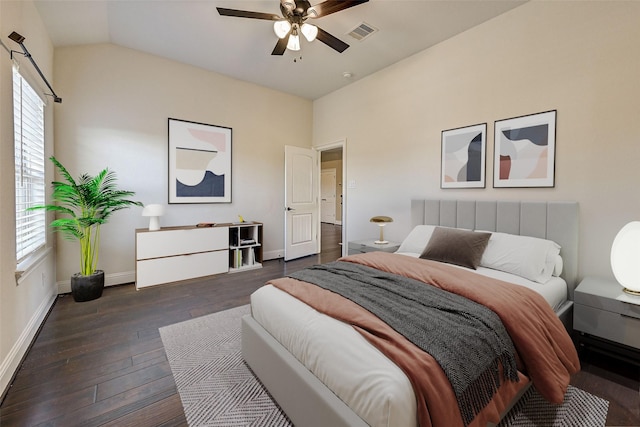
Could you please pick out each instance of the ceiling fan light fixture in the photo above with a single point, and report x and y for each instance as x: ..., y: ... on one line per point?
x: 281, y: 28
x: 294, y: 42
x: 309, y: 31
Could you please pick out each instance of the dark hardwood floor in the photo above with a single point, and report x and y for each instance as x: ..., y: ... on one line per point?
x: 102, y: 362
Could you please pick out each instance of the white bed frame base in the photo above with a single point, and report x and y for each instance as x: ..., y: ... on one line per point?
x: 308, y: 402
x: 301, y: 395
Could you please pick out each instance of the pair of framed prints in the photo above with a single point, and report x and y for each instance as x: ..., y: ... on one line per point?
x: 524, y: 153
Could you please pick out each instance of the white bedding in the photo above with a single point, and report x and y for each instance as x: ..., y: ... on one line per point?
x: 554, y: 290
x: 373, y: 386
x: 358, y: 373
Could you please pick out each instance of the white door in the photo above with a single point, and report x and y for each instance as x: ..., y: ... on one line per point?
x: 328, y: 196
x: 301, y: 202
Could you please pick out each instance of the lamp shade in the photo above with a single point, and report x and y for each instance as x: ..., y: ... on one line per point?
x: 309, y: 31
x: 294, y: 42
x: 625, y: 257
x: 154, y: 212
x: 381, y: 221
x: 281, y: 28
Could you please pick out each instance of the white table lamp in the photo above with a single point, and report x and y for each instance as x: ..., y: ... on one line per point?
x: 154, y: 212
x: 625, y: 257
x: 381, y: 221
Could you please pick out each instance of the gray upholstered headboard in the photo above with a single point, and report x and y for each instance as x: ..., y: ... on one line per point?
x: 557, y: 221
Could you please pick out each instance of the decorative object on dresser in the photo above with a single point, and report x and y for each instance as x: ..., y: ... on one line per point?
x: 199, y: 162
x: 625, y: 252
x: 524, y: 151
x: 154, y: 212
x: 363, y: 246
x: 464, y: 152
x: 607, y: 318
x: 381, y: 220
x: 88, y: 203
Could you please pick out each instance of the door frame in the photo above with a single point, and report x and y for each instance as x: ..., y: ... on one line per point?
x: 341, y: 143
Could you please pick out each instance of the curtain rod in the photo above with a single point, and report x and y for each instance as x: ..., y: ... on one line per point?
x: 19, y: 39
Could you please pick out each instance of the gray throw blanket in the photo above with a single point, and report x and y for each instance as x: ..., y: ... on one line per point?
x: 468, y: 340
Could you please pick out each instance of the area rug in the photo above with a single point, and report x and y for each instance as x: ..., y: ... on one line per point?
x: 217, y: 388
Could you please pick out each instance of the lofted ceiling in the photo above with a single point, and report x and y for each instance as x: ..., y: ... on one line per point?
x: 192, y: 32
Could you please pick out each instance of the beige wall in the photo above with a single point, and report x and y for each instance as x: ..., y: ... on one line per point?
x: 116, y: 105
x: 23, y: 303
x: 579, y: 58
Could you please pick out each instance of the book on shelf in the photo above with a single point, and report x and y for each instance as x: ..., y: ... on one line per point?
x: 247, y: 241
x: 238, y: 259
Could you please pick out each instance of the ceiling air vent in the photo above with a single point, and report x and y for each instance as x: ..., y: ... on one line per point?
x: 362, y: 31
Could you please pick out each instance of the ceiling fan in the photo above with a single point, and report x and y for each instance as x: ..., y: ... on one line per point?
x: 292, y: 23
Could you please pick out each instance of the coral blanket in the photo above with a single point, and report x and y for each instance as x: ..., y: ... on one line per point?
x: 546, y: 353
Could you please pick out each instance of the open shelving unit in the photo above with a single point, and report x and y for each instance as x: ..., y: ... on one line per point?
x: 245, y: 246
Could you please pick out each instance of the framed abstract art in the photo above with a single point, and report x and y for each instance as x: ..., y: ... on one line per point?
x: 464, y: 157
x: 524, y: 151
x: 199, y: 162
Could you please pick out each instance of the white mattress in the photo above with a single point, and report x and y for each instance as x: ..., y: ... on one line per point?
x: 369, y: 383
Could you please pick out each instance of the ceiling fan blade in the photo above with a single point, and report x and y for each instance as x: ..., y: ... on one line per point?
x: 281, y: 46
x: 247, y: 14
x: 332, y: 6
x: 331, y: 41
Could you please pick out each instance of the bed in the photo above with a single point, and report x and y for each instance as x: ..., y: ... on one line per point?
x: 314, y: 391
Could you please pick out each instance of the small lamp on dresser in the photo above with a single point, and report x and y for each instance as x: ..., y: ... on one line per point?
x: 381, y: 221
x: 625, y: 257
x: 154, y: 212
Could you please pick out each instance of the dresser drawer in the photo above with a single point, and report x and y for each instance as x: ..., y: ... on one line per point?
x: 620, y: 328
x: 162, y: 243
x: 155, y: 271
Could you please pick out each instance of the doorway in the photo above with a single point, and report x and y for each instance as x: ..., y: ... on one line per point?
x: 332, y: 174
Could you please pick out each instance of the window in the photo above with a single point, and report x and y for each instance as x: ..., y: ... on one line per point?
x: 28, y: 124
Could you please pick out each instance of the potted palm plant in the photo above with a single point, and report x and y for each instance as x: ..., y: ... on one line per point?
x: 86, y: 204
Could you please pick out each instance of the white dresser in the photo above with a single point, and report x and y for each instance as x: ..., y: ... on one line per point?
x: 179, y: 253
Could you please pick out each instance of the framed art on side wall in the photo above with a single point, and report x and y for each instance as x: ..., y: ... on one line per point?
x: 199, y: 162
x: 464, y: 157
x: 524, y: 151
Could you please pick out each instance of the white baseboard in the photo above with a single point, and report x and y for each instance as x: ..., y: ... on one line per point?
x: 64, y: 287
x: 11, y: 363
x: 267, y: 255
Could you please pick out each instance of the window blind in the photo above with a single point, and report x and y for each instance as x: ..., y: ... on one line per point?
x: 28, y: 123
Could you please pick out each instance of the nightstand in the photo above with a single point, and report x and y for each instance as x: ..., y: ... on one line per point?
x: 363, y: 246
x: 607, y: 318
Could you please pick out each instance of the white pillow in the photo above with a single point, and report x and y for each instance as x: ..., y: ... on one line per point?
x: 558, y: 264
x: 417, y: 240
x: 529, y: 257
